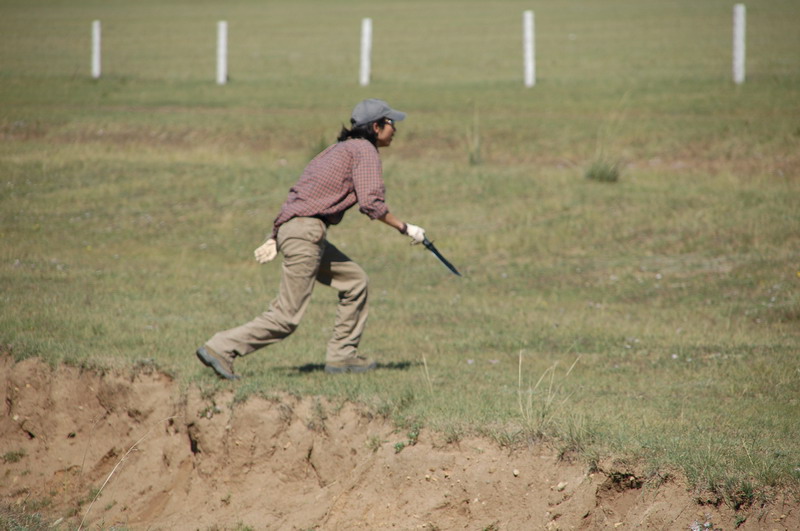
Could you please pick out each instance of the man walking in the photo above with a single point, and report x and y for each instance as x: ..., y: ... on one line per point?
x: 347, y: 173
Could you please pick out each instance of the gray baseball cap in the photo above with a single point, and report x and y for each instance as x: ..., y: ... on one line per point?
x: 372, y: 110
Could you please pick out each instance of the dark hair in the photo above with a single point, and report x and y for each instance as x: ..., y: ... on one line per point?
x: 364, y: 131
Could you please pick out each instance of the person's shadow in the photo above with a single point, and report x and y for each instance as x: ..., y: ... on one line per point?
x: 319, y: 367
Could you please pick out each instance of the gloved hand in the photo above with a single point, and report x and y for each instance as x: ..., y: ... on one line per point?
x: 267, y: 252
x: 417, y: 234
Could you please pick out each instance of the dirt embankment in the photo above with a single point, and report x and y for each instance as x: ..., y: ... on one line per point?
x: 163, y: 459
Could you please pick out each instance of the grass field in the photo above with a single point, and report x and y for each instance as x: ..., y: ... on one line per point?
x: 654, y: 318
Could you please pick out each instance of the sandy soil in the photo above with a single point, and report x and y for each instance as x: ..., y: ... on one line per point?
x: 162, y: 458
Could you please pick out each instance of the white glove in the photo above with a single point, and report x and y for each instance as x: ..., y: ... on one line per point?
x: 417, y: 234
x: 267, y: 252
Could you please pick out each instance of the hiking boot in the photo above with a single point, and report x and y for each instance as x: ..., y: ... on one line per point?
x: 356, y: 364
x: 222, y: 365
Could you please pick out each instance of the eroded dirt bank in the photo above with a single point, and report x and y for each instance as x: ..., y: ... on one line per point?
x: 162, y: 459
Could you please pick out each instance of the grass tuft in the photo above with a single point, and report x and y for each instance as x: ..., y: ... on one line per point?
x: 603, y: 171
x: 15, y: 517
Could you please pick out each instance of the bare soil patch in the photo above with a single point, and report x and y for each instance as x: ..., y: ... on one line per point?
x: 163, y: 458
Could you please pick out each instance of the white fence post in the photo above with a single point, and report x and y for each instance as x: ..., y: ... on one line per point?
x: 528, y: 48
x: 96, y: 49
x: 366, y: 51
x: 739, y: 29
x: 222, y: 52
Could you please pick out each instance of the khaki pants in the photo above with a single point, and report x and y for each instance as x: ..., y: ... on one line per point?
x: 307, y: 258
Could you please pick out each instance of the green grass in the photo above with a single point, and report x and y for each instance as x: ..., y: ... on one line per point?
x: 654, y: 317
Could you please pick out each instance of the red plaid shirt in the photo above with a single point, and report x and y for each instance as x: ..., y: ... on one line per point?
x: 344, y: 174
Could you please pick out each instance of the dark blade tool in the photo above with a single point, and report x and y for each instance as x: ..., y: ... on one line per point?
x: 432, y: 248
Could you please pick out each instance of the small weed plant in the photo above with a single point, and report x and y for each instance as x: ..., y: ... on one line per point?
x: 14, y: 456
x: 603, y: 171
x: 707, y: 525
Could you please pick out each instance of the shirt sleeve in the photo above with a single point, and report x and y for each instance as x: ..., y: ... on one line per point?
x: 368, y: 181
